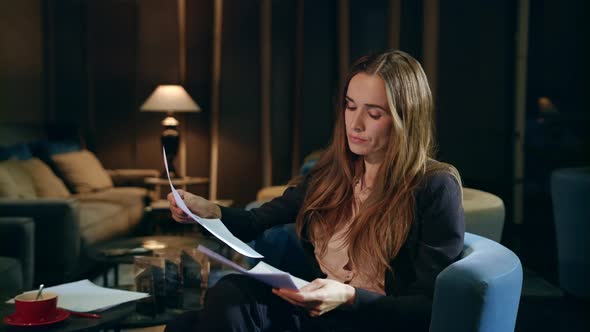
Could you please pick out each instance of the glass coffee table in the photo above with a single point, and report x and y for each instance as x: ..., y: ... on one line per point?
x: 127, y: 316
x: 137, y: 319
x: 151, y: 246
x: 191, y: 296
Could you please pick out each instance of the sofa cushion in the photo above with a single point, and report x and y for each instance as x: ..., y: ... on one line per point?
x: 82, y: 171
x: 15, y: 181
x: 132, y: 198
x: 47, y: 184
x: 7, y: 185
x: 101, y: 221
x: 484, y: 213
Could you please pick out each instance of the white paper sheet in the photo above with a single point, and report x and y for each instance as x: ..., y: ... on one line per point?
x: 84, y: 296
x: 215, y: 226
x: 262, y: 271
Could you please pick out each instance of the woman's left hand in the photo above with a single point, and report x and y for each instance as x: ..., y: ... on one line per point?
x: 319, y: 296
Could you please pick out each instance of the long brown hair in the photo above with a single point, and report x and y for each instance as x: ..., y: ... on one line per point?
x: 380, y: 224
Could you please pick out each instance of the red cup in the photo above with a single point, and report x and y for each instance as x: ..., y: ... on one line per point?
x: 29, y: 309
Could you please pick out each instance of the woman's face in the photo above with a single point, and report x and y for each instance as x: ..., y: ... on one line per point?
x: 367, y: 117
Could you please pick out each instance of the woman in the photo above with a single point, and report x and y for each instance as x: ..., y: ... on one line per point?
x: 379, y: 217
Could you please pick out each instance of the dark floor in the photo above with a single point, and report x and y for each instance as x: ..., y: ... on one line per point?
x: 552, y: 314
x: 543, y: 306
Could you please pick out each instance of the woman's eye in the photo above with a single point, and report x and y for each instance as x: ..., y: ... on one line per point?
x: 350, y: 107
x: 375, y: 116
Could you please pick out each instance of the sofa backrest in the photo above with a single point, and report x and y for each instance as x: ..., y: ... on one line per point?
x: 11, y: 134
x: 19, y: 133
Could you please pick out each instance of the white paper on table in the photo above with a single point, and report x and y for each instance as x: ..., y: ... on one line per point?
x: 84, y: 296
x: 262, y: 271
x: 215, y: 226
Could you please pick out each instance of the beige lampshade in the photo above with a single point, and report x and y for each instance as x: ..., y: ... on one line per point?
x: 170, y: 98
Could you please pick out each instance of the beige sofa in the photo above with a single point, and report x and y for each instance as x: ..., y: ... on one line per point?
x: 81, y: 207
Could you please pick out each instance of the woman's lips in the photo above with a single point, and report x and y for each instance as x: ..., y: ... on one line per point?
x: 356, y: 140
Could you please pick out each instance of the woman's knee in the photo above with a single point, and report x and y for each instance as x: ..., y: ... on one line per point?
x: 187, y: 321
x: 233, y: 302
x: 233, y: 288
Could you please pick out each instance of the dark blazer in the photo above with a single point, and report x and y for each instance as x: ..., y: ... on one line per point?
x: 435, y: 241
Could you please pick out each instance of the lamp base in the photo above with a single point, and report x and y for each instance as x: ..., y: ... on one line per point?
x: 171, y: 170
x: 170, y: 139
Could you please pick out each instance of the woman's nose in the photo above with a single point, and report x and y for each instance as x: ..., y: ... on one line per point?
x: 358, y: 124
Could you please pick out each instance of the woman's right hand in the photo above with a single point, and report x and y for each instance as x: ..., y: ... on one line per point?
x: 198, y: 205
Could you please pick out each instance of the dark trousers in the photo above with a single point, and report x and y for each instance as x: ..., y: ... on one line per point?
x: 240, y: 303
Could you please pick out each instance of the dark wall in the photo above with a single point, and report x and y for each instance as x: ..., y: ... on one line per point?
x: 157, y: 63
x: 320, y: 74
x: 112, y: 47
x: 66, y: 62
x: 368, y: 27
x: 558, y: 54
x: 283, y: 87
x: 476, y: 101
x: 199, y: 54
x: 21, y: 62
x: 130, y: 56
x: 92, y: 64
x: 411, y: 28
x: 558, y: 69
x: 239, y: 117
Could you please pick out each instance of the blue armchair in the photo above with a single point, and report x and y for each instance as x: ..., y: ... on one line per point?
x: 480, y: 292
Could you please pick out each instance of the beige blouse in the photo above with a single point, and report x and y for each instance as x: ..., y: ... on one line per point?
x: 337, y: 265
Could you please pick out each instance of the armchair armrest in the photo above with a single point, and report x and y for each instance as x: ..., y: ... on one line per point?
x: 57, y: 244
x: 17, y: 236
x: 483, y: 287
x: 131, y: 177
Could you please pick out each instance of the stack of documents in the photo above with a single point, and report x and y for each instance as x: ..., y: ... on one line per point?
x: 262, y: 271
x: 84, y: 296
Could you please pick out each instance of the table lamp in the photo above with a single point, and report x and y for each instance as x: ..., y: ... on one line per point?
x: 170, y: 99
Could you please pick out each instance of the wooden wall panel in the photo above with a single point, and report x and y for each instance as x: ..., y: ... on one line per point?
x: 21, y: 62
x: 411, y: 27
x: 157, y: 63
x: 69, y: 77
x: 265, y: 91
x: 475, y: 88
x: 368, y: 27
x: 113, y: 39
x: 239, y: 117
x: 199, y: 43
x: 320, y: 74
x: 283, y: 87
x: 298, y: 91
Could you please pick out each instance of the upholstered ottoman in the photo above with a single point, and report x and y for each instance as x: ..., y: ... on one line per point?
x: 570, y: 192
x: 484, y: 213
